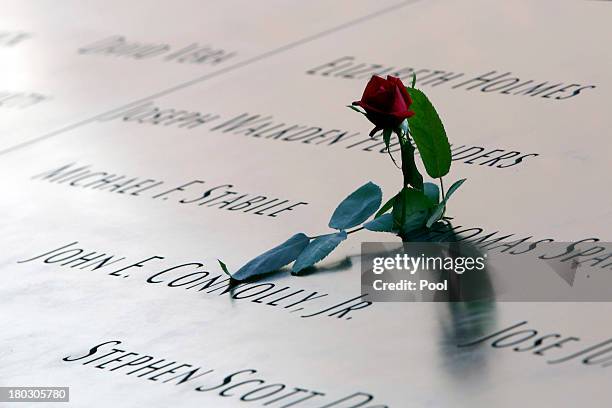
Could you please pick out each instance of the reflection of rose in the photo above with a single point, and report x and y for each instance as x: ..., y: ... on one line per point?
x: 386, y: 102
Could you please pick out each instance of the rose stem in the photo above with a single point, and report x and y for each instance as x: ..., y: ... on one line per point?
x: 442, y: 188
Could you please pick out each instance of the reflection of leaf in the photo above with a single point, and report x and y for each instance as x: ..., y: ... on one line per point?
x: 432, y: 192
x: 429, y: 135
x: 357, y: 207
x: 384, y: 223
x: 318, y: 249
x: 439, y: 211
x: 274, y: 259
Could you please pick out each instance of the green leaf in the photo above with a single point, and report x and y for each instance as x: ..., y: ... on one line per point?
x: 414, y: 221
x: 432, y: 192
x: 384, y: 223
x: 318, y: 249
x: 356, y: 109
x: 275, y: 258
x: 429, y: 135
x: 409, y: 201
x: 413, y: 79
x: 414, y: 200
x: 439, y: 210
x: 454, y: 188
x: 357, y: 207
x: 224, y: 267
x: 386, y: 207
x: 436, y: 215
x: 387, y: 133
x: 387, y: 137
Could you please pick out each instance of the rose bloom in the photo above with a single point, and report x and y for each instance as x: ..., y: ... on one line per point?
x: 386, y: 102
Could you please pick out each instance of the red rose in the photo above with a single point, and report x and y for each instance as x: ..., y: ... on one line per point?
x: 386, y: 102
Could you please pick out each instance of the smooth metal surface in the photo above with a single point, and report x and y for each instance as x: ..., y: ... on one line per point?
x: 405, y: 354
